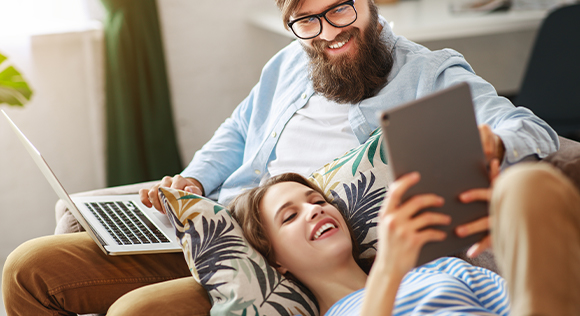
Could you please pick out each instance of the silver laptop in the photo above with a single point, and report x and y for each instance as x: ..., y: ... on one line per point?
x: 119, y: 224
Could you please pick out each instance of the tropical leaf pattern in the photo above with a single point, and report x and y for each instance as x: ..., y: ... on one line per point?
x: 347, y: 166
x: 357, y: 182
x: 238, y: 279
x: 361, y: 208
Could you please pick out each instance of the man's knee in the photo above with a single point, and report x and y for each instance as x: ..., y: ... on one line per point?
x: 23, y: 268
x: 533, y: 186
x: 531, y: 176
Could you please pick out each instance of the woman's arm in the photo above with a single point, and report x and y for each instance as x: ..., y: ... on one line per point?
x: 401, y: 235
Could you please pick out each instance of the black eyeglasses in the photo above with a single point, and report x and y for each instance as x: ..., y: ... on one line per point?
x: 341, y: 15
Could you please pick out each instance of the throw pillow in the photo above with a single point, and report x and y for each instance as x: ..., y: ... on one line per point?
x: 238, y: 279
x: 357, y: 182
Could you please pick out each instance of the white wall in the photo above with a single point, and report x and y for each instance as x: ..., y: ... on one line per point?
x: 63, y: 120
x: 214, y: 58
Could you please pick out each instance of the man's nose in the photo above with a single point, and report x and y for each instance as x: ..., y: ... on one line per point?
x: 329, y: 32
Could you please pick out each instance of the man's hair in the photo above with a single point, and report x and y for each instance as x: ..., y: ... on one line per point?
x: 288, y: 7
x: 246, y: 210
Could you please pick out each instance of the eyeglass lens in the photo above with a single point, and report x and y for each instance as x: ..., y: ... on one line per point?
x: 341, y: 15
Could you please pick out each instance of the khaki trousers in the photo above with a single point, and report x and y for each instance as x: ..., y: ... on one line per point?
x: 68, y: 275
x: 535, y: 220
x: 536, y: 236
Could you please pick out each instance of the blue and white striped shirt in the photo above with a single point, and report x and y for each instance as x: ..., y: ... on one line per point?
x: 447, y: 286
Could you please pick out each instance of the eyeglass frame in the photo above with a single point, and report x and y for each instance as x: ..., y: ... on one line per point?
x: 323, y: 15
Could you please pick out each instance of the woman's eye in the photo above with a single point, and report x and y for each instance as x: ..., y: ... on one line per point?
x: 321, y: 202
x: 289, y: 218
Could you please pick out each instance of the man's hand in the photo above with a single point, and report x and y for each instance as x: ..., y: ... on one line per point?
x: 151, y: 197
x: 493, y: 146
x: 482, y: 224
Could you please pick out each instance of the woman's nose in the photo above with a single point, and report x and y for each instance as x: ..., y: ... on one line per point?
x: 315, y: 211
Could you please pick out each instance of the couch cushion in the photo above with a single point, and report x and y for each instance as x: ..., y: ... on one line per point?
x: 238, y: 279
x: 567, y: 159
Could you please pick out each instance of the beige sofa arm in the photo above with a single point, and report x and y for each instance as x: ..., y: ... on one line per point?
x: 65, y: 221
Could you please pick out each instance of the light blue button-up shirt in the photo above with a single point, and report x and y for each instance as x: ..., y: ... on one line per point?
x: 237, y: 156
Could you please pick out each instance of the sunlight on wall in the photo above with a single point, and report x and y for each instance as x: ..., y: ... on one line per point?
x: 28, y: 17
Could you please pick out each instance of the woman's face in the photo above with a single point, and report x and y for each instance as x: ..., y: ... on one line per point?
x: 307, y: 234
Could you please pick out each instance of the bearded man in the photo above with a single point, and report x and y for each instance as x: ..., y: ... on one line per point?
x: 317, y: 98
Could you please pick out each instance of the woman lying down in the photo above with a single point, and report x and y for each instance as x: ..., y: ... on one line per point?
x: 290, y: 222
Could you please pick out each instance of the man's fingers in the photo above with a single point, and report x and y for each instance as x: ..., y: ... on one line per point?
x: 477, y: 226
x: 179, y: 182
x: 193, y: 189
x: 493, y: 169
x: 154, y: 198
x: 144, y: 196
x: 487, y: 141
x: 166, y: 182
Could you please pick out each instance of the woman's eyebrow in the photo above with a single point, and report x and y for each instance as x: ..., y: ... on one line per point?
x: 285, y: 205
x: 281, y: 208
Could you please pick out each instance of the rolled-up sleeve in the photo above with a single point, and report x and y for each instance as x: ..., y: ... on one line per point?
x: 524, y: 134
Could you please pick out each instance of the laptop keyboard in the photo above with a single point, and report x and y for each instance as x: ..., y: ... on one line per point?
x: 126, y: 223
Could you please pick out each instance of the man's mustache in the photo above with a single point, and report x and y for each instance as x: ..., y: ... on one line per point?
x: 320, y: 45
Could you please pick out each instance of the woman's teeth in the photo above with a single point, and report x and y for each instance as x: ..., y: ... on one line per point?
x: 322, y: 229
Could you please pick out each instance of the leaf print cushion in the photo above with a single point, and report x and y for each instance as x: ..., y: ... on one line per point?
x: 358, y: 182
x: 238, y: 279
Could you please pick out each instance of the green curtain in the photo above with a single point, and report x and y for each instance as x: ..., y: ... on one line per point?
x: 141, y: 142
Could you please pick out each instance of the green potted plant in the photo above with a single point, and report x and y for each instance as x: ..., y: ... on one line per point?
x: 13, y: 88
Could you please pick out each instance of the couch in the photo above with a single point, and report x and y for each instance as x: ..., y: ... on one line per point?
x: 566, y: 159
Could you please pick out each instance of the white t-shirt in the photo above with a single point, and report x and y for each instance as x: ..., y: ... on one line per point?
x: 316, y: 134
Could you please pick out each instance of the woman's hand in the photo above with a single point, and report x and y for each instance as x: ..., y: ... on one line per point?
x: 401, y: 235
x: 401, y: 232
x: 482, y: 224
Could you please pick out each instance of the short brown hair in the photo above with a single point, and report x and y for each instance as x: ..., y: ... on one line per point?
x: 288, y: 7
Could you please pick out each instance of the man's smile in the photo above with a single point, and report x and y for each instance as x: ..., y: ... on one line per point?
x: 339, y: 44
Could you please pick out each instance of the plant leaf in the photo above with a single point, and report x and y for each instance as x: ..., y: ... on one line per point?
x: 13, y: 88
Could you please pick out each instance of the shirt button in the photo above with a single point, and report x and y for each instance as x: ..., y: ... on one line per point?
x: 257, y: 171
x: 274, y: 134
x: 304, y: 95
x: 516, y: 153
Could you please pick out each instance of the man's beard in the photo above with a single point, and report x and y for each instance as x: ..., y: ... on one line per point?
x: 351, y: 79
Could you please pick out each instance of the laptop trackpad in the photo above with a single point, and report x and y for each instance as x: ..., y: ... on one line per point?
x: 163, y: 219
